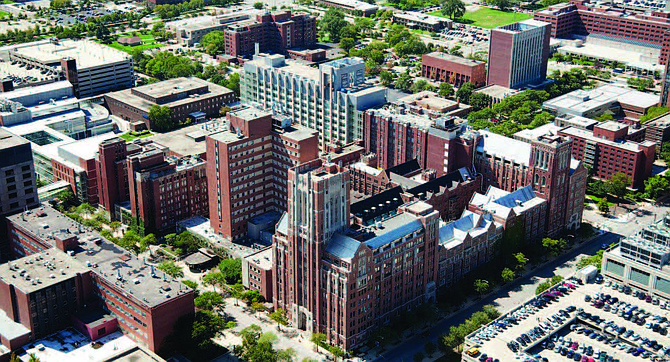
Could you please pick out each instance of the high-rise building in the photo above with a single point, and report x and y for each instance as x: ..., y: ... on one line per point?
x: 275, y: 32
x: 518, y: 54
x: 247, y: 167
x: 347, y: 280
x: 330, y: 100
x: 18, y: 189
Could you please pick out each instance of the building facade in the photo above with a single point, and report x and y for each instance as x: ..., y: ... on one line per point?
x: 356, y: 7
x: 18, y: 189
x: 583, y: 17
x: 453, y: 69
x: 330, y: 100
x: 145, y: 301
x: 347, y: 280
x: 518, y: 54
x: 275, y: 32
x: 188, y: 98
x: 607, y: 151
x: 247, y: 167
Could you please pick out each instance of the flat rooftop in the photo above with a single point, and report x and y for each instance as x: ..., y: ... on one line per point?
x: 189, y: 140
x: 200, y: 226
x: 60, y: 346
x: 88, y: 54
x: 41, y: 270
x: 164, y: 88
x: 588, y: 135
x: 583, y: 101
x: 10, y: 329
x: 262, y: 258
x: 9, y: 140
x: 527, y: 135
x: 454, y: 59
x: 418, y: 17
x: 419, y: 121
x: 501, y: 146
x: 629, y: 57
x: 498, y: 92
x: 355, y: 4
x: 147, y: 285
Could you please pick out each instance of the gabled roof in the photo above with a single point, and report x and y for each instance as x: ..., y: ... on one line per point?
x: 404, y: 168
x: 342, y: 246
x: 505, y: 203
x: 469, y: 225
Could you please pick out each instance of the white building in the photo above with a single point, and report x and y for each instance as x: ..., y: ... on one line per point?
x: 330, y: 100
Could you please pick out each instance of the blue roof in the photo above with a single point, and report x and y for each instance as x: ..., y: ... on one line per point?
x: 197, y: 114
x: 342, y: 246
x: 510, y: 200
x: 397, y: 226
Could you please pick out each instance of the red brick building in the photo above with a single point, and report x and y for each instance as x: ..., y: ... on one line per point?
x: 453, y: 69
x: 187, y: 98
x: 112, y: 173
x: 77, y: 267
x: 346, y: 280
x: 274, y: 32
x: 164, y: 190
x: 247, y: 167
x: 583, y: 17
x: 257, y: 272
x: 607, y: 151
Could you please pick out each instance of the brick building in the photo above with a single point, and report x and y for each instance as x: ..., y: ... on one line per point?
x: 187, y: 98
x: 518, y: 54
x: 165, y: 189
x: 18, y: 189
x: 275, y: 32
x: 257, y: 272
x: 247, y: 167
x: 608, y: 151
x: 85, y: 269
x: 443, y: 67
x: 345, y: 280
x: 583, y: 18
x: 417, y: 20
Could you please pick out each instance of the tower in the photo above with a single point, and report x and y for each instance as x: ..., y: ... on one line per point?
x: 550, y: 171
x: 318, y: 207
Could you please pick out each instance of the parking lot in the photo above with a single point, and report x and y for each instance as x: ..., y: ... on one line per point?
x: 467, y: 34
x: 587, y: 323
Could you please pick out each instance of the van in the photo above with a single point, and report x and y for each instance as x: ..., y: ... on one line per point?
x: 472, y: 351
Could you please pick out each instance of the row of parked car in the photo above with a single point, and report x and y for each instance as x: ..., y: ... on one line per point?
x: 543, y: 328
x: 630, y: 312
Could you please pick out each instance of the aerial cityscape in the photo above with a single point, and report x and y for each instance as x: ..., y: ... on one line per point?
x: 334, y: 180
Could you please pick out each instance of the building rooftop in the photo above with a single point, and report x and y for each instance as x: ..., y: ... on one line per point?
x: 454, y: 233
x: 146, y: 284
x: 9, y: 140
x: 10, y: 329
x: 418, y: 17
x: 88, y: 54
x: 40, y: 270
x: 411, y: 119
x: 168, y: 87
x: 86, y: 148
x: 356, y: 5
x: 189, y: 140
x: 528, y: 135
x: 262, y: 258
x: 501, y: 202
x: 588, y: 135
x: 60, y: 346
x: 498, y: 92
x: 454, y: 58
x: 581, y: 101
x: 509, y: 148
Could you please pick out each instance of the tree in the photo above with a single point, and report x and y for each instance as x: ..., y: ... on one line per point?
x: 60, y: 4
x: 446, y: 90
x: 170, y: 268
x: 420, y: 85
x: 617, y: 185
x: 520, y: 260
x: 233, y: 83
x: 464, y: 92
x: 481, y: 286
x: 403, y: 82
x: 603, y: 205
x: 332, y: 23
x: 161, y: 118
x: 237, y: 292
x: 318, y: 339
x: 347, y: 43
x: 258, y: 5
x: 479, y: 101
x: 554, y: 246
x: 193, y: 285
x: 507, y: 275
x: 280, y: 317
x: 286, y: 355
x: 430, y: 348
x: 211, y: 301
x: 206, y: 325
x: 453, y: 8
x: 213, y: 42
x: 214, y: 279
x: 418, y: 356
x: 231, y: 270
x: 656, y: 186
x: 500, y: 4
x: 386, y: 78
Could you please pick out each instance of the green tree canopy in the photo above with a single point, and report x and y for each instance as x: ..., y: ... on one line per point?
x: 170, y: 268
x: 211, y: 301
x: 231, y: 270
x: 332, y: 23
x: 214, y: 42
x: 618, y: 184
x: 161, y: 118
x: 464, y: 92
x: 656, y: 186
x: 453, y: 8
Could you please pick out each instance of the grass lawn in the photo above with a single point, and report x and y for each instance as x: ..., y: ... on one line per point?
x: 3, y: 14
x: 596, y: 199
x: 487, y: 18
x: 148, y: 42
x: 132, y: 135
x: 8, y: 1
x: 419, y: 31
